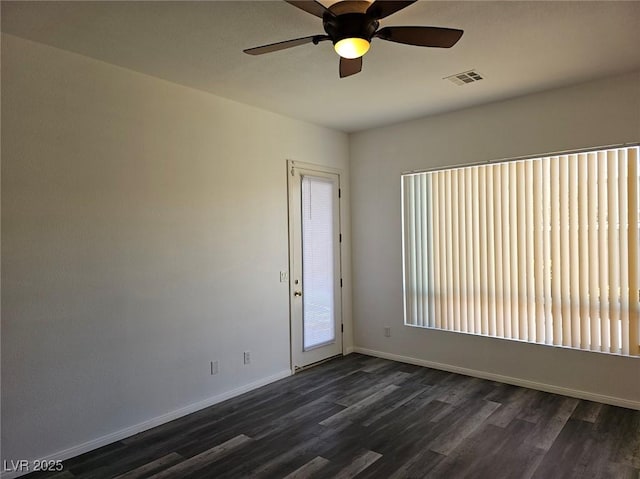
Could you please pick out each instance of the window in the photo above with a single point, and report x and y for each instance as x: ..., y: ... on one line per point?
x: 542, y: 250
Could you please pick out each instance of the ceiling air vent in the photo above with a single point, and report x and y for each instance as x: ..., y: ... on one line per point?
x: 464, y: 77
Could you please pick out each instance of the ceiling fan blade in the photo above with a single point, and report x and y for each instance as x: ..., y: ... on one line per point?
x: 381, y: 9
x: 421, y: 36
x: 274, y: 47
x: 349, y: 66
x: 312, y: 7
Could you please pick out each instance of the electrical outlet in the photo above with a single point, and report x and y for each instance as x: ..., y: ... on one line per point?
x: 284, y: 276
x: 215, y: 368
x: 387, y: 332
x: 247, y: 357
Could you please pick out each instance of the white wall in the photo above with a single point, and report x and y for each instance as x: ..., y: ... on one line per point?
x: 144, y: 226
x: 599, y: 113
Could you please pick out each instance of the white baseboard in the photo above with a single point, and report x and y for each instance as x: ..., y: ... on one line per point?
x: 150, y: 423
x: 348, y: 350
x: 614, y: 401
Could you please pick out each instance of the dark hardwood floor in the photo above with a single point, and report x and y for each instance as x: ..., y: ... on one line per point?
x: 366, y: 417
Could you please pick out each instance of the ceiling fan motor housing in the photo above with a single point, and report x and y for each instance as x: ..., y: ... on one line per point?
x: 350, y: 25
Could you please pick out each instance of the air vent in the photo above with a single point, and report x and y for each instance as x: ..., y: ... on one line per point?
x: 464, y: 77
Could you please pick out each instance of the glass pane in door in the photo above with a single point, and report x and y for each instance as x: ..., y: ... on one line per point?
x: 318, y: 239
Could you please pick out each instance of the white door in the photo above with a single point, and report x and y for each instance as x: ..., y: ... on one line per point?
x: 315, y: 282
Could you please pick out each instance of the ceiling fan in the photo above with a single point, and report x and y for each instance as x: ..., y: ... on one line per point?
x: 352, y: 24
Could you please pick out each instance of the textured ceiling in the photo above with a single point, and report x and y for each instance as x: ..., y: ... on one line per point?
x: 518, y: 46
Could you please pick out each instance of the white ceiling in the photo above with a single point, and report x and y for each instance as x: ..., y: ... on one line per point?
x: 519, y: 46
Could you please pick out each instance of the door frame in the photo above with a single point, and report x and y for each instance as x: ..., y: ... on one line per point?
x: 291, y: 164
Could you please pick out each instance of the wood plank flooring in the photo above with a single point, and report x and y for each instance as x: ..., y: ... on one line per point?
x: 363, y: 417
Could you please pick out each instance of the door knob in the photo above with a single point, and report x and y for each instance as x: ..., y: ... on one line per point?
x: 297, y: 293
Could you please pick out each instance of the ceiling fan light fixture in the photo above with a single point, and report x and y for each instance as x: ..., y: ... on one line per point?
x: 352, y: 47
x: 351, y: 25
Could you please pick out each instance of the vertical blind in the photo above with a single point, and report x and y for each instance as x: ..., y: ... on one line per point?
x: 542, y: 250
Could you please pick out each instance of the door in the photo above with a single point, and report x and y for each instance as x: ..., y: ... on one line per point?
x: 315, y: 282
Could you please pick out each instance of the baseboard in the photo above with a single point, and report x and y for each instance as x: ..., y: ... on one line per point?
x: 348, y: 350
x: 504, y: 379
x: 151, y: 423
